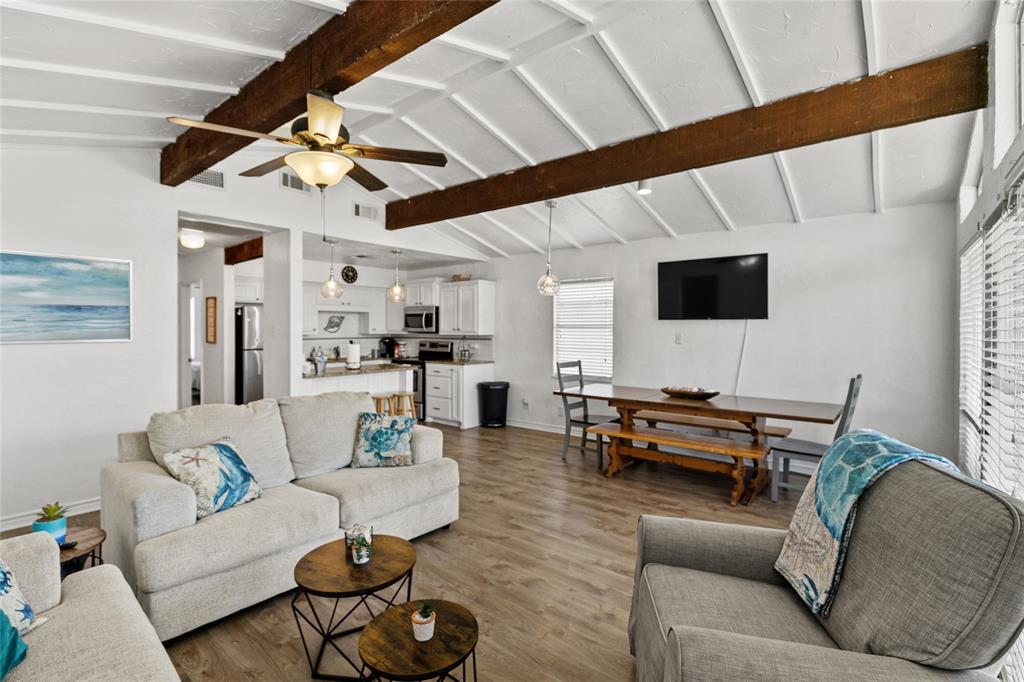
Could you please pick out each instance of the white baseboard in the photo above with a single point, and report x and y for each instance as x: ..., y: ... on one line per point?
x: 795, y: 466
x: 24, y: 519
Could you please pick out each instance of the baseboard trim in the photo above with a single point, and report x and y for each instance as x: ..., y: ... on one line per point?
x: 797, y: 466
x: 24, y: 519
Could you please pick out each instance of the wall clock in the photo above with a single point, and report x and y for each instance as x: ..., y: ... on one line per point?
x: 349, y: 274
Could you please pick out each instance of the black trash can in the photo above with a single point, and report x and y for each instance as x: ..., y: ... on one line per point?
x: 493, y: 402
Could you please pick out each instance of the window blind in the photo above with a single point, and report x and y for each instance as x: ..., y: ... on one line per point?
x: 971, y: 321
x: 583, y: 325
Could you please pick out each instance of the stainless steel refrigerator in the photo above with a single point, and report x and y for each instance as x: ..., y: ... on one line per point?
x: 248, y: 353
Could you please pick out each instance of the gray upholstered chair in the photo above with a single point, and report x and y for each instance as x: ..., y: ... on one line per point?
x: 568, y: 408
x: 932, y: 589
x: 808, y: 451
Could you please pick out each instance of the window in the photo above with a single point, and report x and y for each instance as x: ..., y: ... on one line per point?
x: 992, y: 364
x: 583, y: 325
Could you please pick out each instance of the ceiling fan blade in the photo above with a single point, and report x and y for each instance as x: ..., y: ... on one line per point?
x: 324, y: 118
x: 390, y: 154
x: 264, y: 168
x: 189, y: 123
x: 366, y: 178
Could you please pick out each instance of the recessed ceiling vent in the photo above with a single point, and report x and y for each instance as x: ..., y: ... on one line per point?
x: 292, y: 181
x: 364, y: 211
x: 210, y: 178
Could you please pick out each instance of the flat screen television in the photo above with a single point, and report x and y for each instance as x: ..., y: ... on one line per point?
x: 727, y: 288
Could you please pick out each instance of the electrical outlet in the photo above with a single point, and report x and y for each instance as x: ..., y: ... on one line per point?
x: 679, y: 338
x: 526, y: 403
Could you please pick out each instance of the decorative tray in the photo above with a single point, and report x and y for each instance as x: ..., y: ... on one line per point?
x: 690, y: 392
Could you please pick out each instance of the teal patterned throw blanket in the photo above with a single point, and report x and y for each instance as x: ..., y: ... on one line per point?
x: 815, y: 548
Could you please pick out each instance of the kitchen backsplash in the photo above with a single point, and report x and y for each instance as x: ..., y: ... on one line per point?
x: 483, y: 348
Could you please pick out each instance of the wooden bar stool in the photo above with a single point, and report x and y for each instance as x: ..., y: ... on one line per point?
x: 382, y: 403
x: 403, y: 403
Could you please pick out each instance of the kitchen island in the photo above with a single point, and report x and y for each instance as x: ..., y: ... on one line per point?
x: 376, y: 378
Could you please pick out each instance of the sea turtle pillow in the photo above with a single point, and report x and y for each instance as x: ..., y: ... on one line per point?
x: 217, y: 475
x: 13, y: 604
x: 383, y: 440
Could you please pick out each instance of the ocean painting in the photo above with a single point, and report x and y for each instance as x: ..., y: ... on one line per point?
x: 49, y: 299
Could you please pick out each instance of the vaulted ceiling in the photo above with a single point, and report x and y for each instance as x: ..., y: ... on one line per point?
x: 520, y: 83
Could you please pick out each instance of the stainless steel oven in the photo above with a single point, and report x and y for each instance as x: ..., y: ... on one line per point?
x: 418, y: 372
x: 421, y: 319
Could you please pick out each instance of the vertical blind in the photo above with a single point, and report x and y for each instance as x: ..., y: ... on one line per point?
x: 583, y: 326
x: 992, y: 364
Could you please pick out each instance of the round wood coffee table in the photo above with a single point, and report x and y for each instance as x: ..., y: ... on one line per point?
x: 89, y: 548
x: 389, y: 650
x: 328, y: 571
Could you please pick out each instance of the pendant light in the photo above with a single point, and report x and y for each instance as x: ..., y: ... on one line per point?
x: 396, y: 293
x: 331, y: 288
x: 548, y: 284
x: 643, y: 187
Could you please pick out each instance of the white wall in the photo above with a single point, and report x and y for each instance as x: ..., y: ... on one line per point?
x: 867, y: 293
x: 62, y: 405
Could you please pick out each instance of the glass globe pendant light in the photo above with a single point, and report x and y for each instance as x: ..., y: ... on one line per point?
x: 331, y: 288
x: 548, y: 284
x: 396, y: 293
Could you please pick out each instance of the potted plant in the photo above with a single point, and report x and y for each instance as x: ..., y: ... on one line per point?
x: 52, y: 520
x: 361, y: 550
x: 423, y: 622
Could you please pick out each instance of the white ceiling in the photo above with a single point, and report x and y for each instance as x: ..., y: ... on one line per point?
x: 522, y: 82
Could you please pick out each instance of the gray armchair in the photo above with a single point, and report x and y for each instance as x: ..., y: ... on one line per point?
x: 932, y: 589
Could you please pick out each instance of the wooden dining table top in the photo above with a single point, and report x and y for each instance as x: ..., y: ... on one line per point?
x: 724, y: 405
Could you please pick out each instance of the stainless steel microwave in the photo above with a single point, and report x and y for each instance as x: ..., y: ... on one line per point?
x: 421, y: 319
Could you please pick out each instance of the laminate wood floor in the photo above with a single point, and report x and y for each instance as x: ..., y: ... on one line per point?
x: 543, y: 555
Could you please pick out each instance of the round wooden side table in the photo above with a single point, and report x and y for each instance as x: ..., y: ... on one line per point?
x: 89, y: 549
x: 390, y: 651
x: 328, y: 571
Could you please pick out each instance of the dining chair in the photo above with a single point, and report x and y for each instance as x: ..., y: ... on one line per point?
x: 584, y: 419
x: 789, y: 449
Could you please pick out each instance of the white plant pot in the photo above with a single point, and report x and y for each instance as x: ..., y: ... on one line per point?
x: 360, y: 555
x: 423, y: 630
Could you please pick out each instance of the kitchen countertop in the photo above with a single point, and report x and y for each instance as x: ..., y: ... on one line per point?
x: 459, y: 362
x: 366, y: 369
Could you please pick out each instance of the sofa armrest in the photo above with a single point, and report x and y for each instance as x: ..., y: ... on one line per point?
x: 427, y: 444
x: 139, y: 501
x: 724, y: 548
x: 693, y: 654
x: 34, y: 559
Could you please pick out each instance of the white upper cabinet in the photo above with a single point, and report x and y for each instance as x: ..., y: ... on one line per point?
x: 375, y: 321
x: 248, y: 290
x: 352, y: 298
x: 396, y: 316
x: 467, y: 308
x: 422, y: 291
x: 310, y: 291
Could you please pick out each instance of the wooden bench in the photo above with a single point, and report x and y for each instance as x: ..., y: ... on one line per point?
x: 652, y: 418
x: 622, y: 450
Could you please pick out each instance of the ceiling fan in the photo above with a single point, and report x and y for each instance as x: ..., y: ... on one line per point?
x: 328, y: 154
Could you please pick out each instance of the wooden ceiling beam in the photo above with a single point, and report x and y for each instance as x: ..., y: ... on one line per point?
x: 345, y: 50
x: 943, y: 86
x: 240, y: 253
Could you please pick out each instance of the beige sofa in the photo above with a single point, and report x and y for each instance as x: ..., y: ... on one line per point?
x: 94, y: 629
x: 187, y: 573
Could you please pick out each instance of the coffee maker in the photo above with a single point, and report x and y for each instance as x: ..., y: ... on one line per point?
x: 386, y: 347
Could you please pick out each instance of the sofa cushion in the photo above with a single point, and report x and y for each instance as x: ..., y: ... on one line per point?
x: 321, y: 429
x: 285, y: 516
x: 934, y: 571
x: 97, y: 633
x: 216, y: 474
x: 383, y: 441
x: 255, y: 428
x: 366, y: 494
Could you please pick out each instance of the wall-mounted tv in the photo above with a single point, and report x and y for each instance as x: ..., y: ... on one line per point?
x: 727, y: 288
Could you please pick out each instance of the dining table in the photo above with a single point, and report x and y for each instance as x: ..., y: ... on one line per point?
x: 745, y: 418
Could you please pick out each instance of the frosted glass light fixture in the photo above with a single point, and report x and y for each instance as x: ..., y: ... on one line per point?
x: 644, y: 186
x: 331, y: 288
x: 322, y: 169
x: 548, y: 284
x: 396, y: 292
x: 191, y: 239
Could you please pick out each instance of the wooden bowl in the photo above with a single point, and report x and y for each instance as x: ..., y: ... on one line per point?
x: 689, y: 393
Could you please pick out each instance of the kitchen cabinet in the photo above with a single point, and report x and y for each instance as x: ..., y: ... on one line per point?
x: 310, y: 291
x: 375, y: 321
x: 451, y: 394
x: 422, y: 291
x: 372, y: 382
x: 248, y: 290
x: 352, y: 298
x: 467, y: 307
x: 395, y: 314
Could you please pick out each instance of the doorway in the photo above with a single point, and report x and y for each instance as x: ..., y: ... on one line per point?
x: 190, y: 344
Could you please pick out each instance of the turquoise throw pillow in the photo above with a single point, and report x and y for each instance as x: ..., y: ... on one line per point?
x: 383, y: 440
x: 12, y: 648
x: 217, y: 475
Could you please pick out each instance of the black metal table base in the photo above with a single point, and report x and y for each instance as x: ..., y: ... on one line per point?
x: 329, y: 631
x: 470, y: 658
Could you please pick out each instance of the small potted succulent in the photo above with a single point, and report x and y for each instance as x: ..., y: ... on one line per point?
x: 423, y: 622
x: 361, y: 550
x: 52, y: 520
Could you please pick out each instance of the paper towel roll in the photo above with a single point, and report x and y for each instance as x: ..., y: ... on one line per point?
x: 353, y: 355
